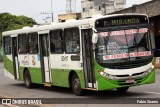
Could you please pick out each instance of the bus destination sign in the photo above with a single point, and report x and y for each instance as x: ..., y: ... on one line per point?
x: 121, y: 21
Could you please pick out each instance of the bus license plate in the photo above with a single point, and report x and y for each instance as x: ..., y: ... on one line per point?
x: 130, y: 81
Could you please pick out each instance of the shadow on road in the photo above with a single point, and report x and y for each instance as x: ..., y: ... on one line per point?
x: 87, y: 93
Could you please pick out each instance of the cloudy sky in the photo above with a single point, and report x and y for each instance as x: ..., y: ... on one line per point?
x: 34, y: 8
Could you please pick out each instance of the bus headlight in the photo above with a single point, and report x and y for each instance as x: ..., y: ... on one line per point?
x: 152, y: 66
x: 104, y: 74
x: 148, y: 71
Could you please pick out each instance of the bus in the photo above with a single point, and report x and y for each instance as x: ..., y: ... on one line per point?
x: 98, y: 53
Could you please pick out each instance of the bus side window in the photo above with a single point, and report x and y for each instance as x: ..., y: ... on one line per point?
x: 56, y: 41
x: 27, y: 48
x: 52, y: 47
x: 33, y: 43
x: 72, y: 43
x: 22, y: 43
x: 19, y: 49
x: 7, y: 45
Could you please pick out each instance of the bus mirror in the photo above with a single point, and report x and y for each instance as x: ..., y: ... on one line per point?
x: 94, y: 38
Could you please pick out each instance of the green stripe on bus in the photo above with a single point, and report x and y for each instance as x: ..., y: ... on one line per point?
x: 8, y: 64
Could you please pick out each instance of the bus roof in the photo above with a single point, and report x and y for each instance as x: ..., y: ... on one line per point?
x: 67, y: 24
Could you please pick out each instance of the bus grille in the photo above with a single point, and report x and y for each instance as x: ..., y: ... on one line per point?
x: 128, y: 66
x: 137, y: 81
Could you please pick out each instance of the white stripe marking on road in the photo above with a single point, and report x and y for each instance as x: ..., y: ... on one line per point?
x: 152, y: 92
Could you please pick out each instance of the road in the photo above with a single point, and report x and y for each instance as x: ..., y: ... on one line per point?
x: 16, y: 89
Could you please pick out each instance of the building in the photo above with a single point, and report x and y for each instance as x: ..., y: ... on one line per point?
x: 88, y: 8
x: 64, y: 17
x: 92, y: 7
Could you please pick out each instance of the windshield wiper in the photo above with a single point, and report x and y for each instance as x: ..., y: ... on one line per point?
x: 127, y: 45
x: 136, y: 44
x: 107, y: 38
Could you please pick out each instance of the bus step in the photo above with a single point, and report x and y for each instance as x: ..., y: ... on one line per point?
x: 47, y: 84
x: 94, y: 89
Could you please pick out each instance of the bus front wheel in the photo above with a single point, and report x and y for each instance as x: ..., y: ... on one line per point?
x: 76, y: 87
x: 122, y: 89
x: 27, y: 79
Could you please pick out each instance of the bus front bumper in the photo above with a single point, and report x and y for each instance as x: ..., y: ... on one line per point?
x: 108, y: 84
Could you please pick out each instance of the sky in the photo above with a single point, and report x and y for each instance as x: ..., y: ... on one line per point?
x: 35, y: 8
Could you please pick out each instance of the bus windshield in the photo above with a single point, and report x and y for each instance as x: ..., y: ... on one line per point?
x: 123, y: 45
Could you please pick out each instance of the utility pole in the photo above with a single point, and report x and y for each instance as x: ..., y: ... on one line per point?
x: 52, y: 11
x: 70, y: 6
x: 49, y: 12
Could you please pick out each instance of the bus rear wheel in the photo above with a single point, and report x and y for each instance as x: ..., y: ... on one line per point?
x: 76, y: 87
x: 27, y: 79
x: 122, y: 89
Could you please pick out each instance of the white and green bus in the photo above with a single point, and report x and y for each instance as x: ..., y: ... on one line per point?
x: 98, y: 53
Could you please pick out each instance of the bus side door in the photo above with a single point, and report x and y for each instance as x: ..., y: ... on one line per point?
x: 15, y: 57
x: 44, y: 57
x: 88, y: 59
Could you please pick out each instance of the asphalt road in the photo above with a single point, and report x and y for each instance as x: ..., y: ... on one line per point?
x: 16, y: 89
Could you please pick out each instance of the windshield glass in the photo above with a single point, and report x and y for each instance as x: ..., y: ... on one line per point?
x: 123, y: 45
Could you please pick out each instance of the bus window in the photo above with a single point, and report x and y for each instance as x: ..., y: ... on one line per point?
x: 71, y: 40
x: 33, y: 43
x: 7, y: 45
x: 22, y: 44
x: 56, y: 41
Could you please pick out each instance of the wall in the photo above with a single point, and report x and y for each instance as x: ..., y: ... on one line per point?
x: 93, y: 7
x: 88, y: 9
x: 151, y: 8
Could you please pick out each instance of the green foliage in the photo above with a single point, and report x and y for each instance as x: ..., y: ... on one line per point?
x: 12, y: 22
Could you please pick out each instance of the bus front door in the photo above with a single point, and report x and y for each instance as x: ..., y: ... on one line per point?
x: 88, y: 58
x: 15, y: 57
x: 44, y: 57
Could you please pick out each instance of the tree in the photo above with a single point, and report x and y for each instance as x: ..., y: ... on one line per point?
x: 13, y: 22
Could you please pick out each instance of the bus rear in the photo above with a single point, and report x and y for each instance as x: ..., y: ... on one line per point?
x: 123, y: 52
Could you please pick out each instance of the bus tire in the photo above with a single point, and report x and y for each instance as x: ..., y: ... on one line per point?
x: 76, y: 86
x: 122, y: 89
x: 27, y: 79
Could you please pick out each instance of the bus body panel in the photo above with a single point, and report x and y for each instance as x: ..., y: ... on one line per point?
x: 60, y: 77
x: 36, y: 75
x: 106, y: 84
x: 8, y: 66
x: 112, y: 84
x: 62, y: 65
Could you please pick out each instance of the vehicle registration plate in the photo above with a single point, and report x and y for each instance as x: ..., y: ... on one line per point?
x: 130, y: 81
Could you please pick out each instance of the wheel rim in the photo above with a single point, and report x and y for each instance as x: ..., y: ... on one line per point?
x: 76, y: 84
